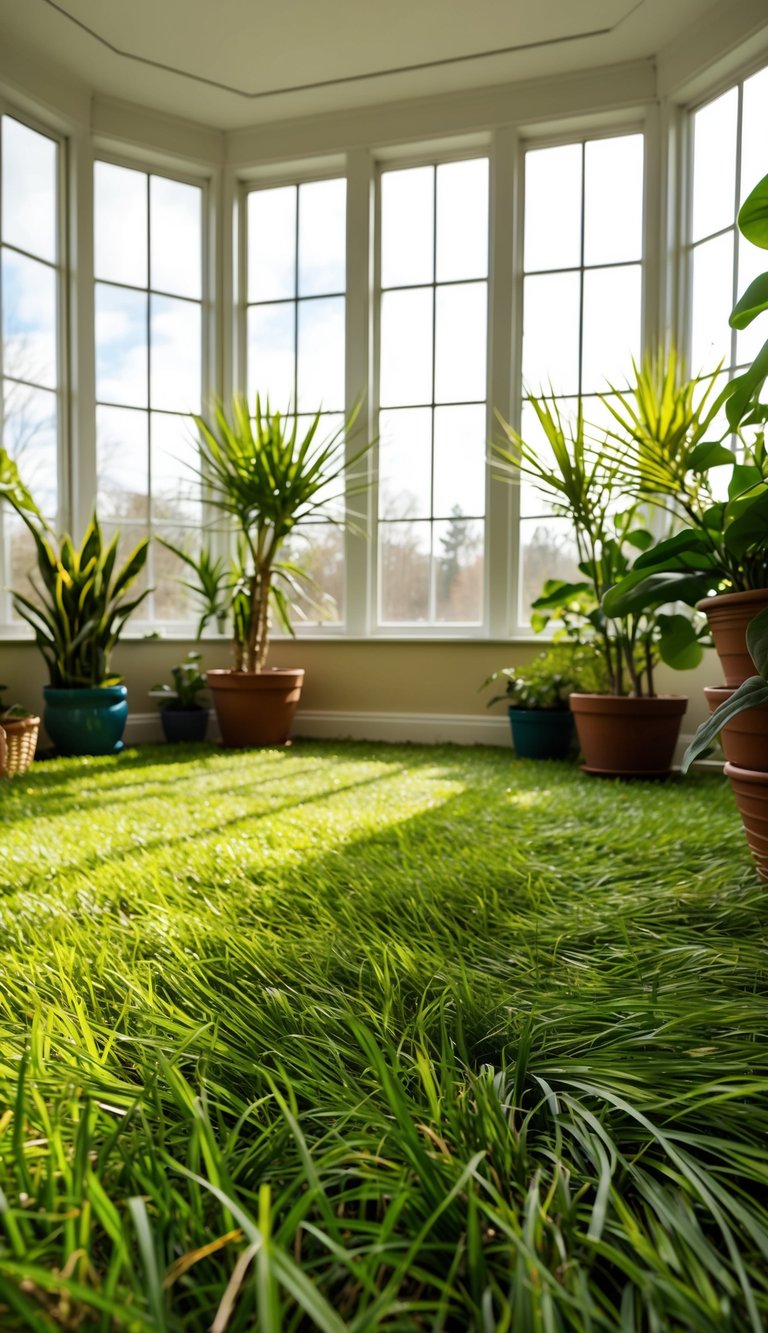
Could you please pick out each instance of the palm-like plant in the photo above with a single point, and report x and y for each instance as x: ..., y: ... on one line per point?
x: 267, y: 476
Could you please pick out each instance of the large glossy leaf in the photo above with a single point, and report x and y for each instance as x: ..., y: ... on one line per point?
x: 757, y: 642
x: 688, y: 549
x: 750, y: 528
x: 753, y: 215
x: 710, y: 453
x: 746, y: 387
x: 751, y: 304
x: 751, y: 694
x: 642, y: 591
x: 679, y: 643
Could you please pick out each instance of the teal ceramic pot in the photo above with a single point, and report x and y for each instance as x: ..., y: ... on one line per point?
x: 86, y: 721
x: 541, y: 733
x: 184, y: 724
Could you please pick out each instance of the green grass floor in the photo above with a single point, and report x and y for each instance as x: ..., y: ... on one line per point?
x: 356, y: 1037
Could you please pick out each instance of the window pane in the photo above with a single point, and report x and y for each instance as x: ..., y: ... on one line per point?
x: 19, y: 559
x: 753, y: 261
x: 121, y: 346
x: 122, y: 454
x: 176, y: 242
x: 460, y: 452
x: 406, y: 347
x: 462, y: 220
x: 714, y: 164
x: 171, y: 601
x: 553, y: 207
x: 551, y: 333
x: 611, y: 324
x: 28, y: 189
x: 460, y: 338
x: 120, y: 224
x: 271, y: 244
x: 613, y: 199
x: 321, y: 354
x: 174, y: 462
x: 458, y: 569
x: 322, y: 238
x: 712, y: 303
x: 405, y: 463
x: 404, y: 571
x: 548, y: 551
x: 271, y: 356
x: 175, y: 352
x: 754, y: 162
x: 29, y: 319
x: 407, y: 227
x: 30, y: 434
x: 533, y: 502
x: 318, y: 548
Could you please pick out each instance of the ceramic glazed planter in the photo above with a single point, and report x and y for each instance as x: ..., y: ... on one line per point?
x: 86, y: 721
x: 184, y: 724
x: 729, y: 615
x: 541, y: 733
x: 751, y: 791
x: 627, y: 737
x: 255, y: 708
x: 745, y: 738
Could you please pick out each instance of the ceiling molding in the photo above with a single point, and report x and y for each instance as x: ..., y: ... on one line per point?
x: 345, y: 80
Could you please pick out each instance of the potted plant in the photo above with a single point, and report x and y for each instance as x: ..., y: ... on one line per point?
x: 182, y: 714
x: 20, y: 732
x: 77, y: 618
x: 267, y: 475
x: 537, y: 698
x: 628, y: 729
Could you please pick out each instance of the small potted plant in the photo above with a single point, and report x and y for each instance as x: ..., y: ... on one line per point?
x: 537, y: 697
x: 77, y: 616
x: 20, y: 730
x: 267, y: 475
x: 183, y: 716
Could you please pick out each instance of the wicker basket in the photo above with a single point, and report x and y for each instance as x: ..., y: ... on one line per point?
x: 21, y: 743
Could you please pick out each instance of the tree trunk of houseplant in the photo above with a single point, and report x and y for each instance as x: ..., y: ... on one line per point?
x: 628, y: 736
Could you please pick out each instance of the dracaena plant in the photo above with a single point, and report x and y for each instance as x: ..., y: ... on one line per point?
x: 750, y: 694
x: 81, y: 603
x: 721, y: 542
x: 586, y: 485
x: 267, y: 474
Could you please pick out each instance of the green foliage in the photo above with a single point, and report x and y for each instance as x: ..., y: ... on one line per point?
x: 367, y: 1037
x: 188, y: 684
x: 744, y: 404
x: 267, y: 477
x: 550, y: 679
x: 588, y: 484
x: 14, y: 491
x: 752, y: 693
x: 80, y: 608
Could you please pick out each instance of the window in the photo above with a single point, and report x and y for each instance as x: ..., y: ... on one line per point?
x: 432, y: 394
x: 582, y: 308
x: 149, y: 340
x: 296, y: 313
x: 728, y: 161
x: 30, y: 298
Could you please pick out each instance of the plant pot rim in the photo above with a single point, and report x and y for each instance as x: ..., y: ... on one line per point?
x: 726, y: 599
x: 81, y: 691
x: 192, y: 708
x: 629, y: 698
x: 755, y: 775
x: 220, y: 672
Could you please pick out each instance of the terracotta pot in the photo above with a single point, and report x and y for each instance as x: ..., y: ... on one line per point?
x: 728, y: 615
x: 745, y: 738
x: 626, y: 737
x: 255, y: 708
x: 751, y: 792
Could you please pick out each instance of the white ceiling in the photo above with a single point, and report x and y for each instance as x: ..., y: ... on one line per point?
x: 234, y: 63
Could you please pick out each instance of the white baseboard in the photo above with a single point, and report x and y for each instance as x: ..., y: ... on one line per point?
x: 419, y: 728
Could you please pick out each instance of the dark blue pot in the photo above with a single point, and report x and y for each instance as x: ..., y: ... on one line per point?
x: 86, y: 721
x: 541, y: 733
x: 184, y: 724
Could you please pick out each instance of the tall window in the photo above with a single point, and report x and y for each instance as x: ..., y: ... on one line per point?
x: 295, y: 297
x: 30, y: 287
x: 432, y: 394
x: 149, y: 289
x: 729, y: 158
x: 582, y: 308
